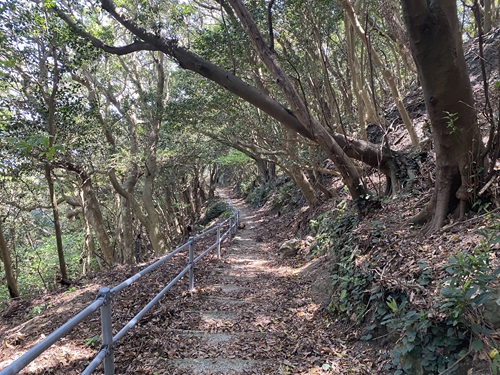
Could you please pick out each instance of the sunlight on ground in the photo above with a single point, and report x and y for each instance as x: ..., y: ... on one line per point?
x: 59, y: 355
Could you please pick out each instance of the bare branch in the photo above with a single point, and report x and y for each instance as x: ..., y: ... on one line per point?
x: 122, y: 50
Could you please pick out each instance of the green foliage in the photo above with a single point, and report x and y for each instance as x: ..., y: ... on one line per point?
x: 36, y: 310
x: 334, y: 232
x: 431, y: 340
x: 281, y: 192
x: 93, y: 342
x: 234, y: 157
x: 258, y: 195
x: 38, y: 144
x: 451, y: 119
x: 215, y: 210
x: 286, y: 195
x: 443, y: 335
x: 37, y: 267
x: 467, y: 287
x: 333, y: 229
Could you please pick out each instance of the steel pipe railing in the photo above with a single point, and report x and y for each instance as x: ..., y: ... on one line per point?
x: 104, y: 301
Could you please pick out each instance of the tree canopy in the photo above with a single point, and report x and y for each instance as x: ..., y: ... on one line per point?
x: 118, y: 120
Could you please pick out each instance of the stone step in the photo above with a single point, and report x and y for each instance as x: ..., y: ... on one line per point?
x: 239, y: 278
x: 210, y: 338
x: 229, y: 366
x: 228, y: 301
x: 230, y: 288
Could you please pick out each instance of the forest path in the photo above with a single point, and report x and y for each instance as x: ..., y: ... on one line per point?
x: 252, y: 315
x: 252, y: 312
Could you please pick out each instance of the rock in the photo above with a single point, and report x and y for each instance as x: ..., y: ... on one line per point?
x: 289, y: 248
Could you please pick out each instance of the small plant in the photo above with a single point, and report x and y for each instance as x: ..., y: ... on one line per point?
x: 92, y: 342
x: 70, y: 290
x: 437, y: 344
x: 467, y: 287
x: 451, y: 119
x: 36, y: 310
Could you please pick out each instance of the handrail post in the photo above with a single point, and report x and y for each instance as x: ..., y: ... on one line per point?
x: 230, y: 228
x: 217, y: 241
x: 236, y: 222
x: 107, y: 331
x: 191, y: 264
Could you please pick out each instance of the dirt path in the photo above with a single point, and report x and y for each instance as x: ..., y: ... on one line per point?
x: 252, y: 317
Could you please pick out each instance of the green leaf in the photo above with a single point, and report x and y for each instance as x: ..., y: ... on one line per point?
x: 477, y: 345
x: 393, y: 305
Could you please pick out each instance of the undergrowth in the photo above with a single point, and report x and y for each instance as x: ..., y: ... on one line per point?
x: 432, y: 338
x: 281, y: 192
x: 215, y: 210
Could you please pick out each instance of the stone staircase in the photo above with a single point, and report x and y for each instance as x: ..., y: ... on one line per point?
x: 226, y: 333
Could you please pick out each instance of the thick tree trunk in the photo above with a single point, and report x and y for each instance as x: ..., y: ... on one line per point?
x: 7, y: 265
x: 212, y: 183
x: 198, y: 193
x: 124, y: 232
x: 437, y: 48
x: 303, y: 183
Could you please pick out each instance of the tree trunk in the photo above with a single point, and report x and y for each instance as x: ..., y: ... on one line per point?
x: 488, y: 15
x: 345, y: 166
x: 392, y: 16
x: 437, y: 48
x: 93, y: 212
x: 57, y: 227
x: 90, y: 251
x: 188, y: 60
x: 198, y: 193
x: 212, y: 184
x: 303, y: 183
x: 387, y: 74
x: 7, y: 265
x: 97, y: 221
x: 366, y: 109
x: 124, y: 231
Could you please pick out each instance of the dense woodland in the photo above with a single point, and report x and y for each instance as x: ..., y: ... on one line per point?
x: 118, y: 120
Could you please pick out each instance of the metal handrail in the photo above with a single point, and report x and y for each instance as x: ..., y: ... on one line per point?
x: 104, y: 300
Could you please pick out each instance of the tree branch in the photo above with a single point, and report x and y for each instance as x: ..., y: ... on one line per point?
x: 122, y: 50
x: 270, y: 24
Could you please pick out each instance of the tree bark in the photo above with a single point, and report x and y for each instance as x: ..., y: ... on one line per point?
x: 437, y: 48
x: 7, y: 265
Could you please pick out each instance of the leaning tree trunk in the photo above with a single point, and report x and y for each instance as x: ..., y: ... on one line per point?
x: 7, y: 265
x: 437, y: 48
x: 346, y: 167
